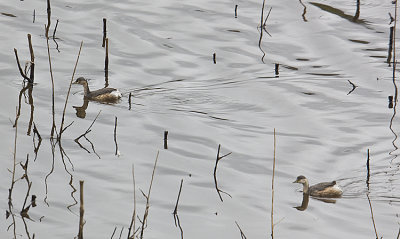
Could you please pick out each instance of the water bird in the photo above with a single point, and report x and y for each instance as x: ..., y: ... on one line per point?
x: 102, y: 95
x: 325, y: 190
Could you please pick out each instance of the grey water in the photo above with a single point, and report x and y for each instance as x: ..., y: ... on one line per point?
x: 329, y: 106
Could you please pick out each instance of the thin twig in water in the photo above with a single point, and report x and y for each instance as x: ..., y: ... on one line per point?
x: 219, y: 191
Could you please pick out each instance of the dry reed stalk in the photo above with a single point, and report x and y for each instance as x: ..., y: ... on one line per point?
x: 372, y: 216
x: 48, y: 19
x: 146, y: 212
x: 132, y: 226
x: 53, y: 127
x: 69, y: 90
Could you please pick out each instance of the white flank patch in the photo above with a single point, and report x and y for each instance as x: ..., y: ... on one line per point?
x: 116, y: 94
x: 336, y: 187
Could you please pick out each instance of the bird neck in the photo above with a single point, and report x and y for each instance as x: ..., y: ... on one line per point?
x: 86, y: 88
x: 306, y: 187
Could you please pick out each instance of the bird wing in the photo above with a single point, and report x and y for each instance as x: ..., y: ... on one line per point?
x: 102, y: 91
x: 321, y: 186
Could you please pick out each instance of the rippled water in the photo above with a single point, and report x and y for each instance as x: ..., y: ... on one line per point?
x: 161, y: 52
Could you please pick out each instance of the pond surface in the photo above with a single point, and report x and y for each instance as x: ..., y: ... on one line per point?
x: 195, y: 70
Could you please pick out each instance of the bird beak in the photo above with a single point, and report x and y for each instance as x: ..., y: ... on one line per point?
x: 295, y: 181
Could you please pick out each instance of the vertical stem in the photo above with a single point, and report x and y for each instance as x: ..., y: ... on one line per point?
x: 81, y: 211
x: 129, y: 100
x: 106, y: 64
x: 32, y: 58
x: 394, y: 55
x: 53, y: 128
x: 276, y: 69
x: 166, y: 139
x: 104, y: 31
x: 115, y: 136
x: 236, y: 7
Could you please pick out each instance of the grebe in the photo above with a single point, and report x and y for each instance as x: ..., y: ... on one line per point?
x: 102, y: 95
x: 326, y: 190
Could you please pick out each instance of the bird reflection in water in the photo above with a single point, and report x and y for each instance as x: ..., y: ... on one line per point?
x: 304, y: 203
x: 81, y: 110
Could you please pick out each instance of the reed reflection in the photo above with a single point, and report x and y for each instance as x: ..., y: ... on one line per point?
x: 341, y: 13
x: 304, y: 11
x: 84, y: 135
